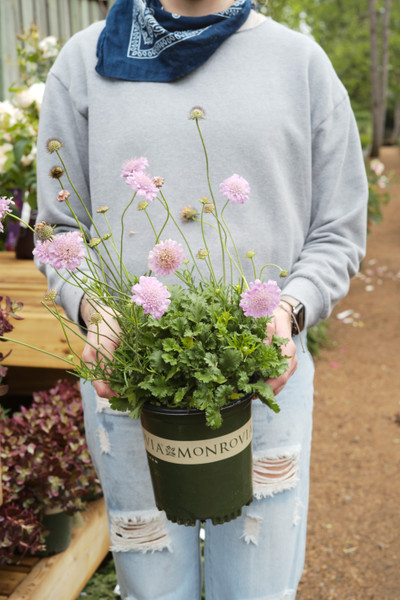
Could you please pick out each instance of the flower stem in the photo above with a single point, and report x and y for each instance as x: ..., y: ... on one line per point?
x: 212, y: 196
x: 170, y: 216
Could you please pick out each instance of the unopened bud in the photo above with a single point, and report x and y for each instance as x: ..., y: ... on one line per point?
x: 197, y: 112
x: 56, y: 172
x: 63, y: 195
x: 53, y: 144
x: 202, y: 253
x: 44, y: 231
x: 50, y: 295
x: 95, y: 318
x: 188, y: 213
x: 158, y: 182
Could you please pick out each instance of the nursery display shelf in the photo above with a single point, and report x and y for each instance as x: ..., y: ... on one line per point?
x: 21, y: 280
x: 64, y: 575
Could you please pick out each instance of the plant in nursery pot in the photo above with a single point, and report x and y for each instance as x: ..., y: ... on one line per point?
x: 47, y: 472
x: 189, y: 354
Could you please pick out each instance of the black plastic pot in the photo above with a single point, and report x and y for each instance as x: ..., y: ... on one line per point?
x: 58, y: 532
x: 199, y: 473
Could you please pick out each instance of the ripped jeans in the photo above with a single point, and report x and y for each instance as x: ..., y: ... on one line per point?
x: 258, y: 556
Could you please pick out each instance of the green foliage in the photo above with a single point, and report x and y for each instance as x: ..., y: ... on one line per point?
x: 101, y: 586
x: 318, y: 338
x: 343, y: 30
x: 202, y: 353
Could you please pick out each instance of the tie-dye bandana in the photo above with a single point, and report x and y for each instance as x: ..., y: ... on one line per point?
x: 143, y: 42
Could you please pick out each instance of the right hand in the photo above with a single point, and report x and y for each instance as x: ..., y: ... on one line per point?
x: 102, y: 338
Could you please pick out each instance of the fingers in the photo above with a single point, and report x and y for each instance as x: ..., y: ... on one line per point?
x: 103, y: 390
x: 97, y: 347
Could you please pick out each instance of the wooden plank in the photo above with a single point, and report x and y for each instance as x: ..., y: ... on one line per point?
x: 9, y: 581
x: 21, y: 280
x: 64, y: 575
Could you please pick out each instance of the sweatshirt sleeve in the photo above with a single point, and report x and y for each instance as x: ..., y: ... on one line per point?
x: 60, y: 118
x: 336, y: 237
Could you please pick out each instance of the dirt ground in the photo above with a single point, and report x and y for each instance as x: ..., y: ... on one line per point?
x: 354, y: 519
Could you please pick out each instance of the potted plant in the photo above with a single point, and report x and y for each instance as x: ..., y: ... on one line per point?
x: 8, y: 310
x: 47, y: 471
x: 19, y: 118
x: 191, y: 352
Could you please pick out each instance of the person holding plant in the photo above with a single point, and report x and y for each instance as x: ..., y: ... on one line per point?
x: 268, y: 105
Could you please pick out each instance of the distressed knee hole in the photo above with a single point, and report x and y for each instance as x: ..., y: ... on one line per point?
x: 139, y: 532
x: 251, y: 529
x: 103, y: 406
x: 275, y: 471
x: 104, y: 440
x: 298, y: 511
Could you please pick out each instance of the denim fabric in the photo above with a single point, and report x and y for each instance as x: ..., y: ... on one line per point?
x: 258, y: 556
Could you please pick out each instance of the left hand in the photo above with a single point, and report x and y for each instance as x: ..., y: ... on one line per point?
x: 281, y: 325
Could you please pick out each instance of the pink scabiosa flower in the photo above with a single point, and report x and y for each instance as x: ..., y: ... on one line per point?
x: 236, y: 189
x: 4, y: 209
x: 66, y: 250
x: 41, y: 251
x: 134, y: 165
x: 143, y: 185
x: 152, y: 295
x: 166, y: 257
x: 261, y: 299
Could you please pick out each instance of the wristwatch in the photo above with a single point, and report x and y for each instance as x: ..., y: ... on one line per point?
x: 297, y: 313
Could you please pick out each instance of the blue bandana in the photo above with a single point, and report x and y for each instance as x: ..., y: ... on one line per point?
x: 160, y: 46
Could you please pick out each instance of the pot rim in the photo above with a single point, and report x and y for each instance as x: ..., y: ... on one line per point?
x: 184, y: 412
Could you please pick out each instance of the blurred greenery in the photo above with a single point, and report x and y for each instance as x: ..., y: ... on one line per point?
x: 101, y: 586
x: 343, y: 30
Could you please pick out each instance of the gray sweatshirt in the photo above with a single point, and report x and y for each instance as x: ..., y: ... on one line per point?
x: 276, y: 114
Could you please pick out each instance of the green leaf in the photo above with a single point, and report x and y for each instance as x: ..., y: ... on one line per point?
x: 20, y: 148
x: 122, y: 404
x: 264, y: 391
x: 180, y: 394
x: 156, y: 360
x: 187, y: 342
x: 229, y: 360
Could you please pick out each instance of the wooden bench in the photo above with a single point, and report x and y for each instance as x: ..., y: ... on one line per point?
x: 62, y: 576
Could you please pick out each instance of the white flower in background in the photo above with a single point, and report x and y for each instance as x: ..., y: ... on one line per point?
x: 377, y: 166
x: 9, y: 114
x: 4, y: 148
x: 32, y: 95
x: 48, y: 46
